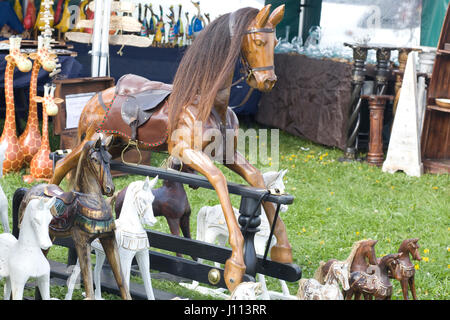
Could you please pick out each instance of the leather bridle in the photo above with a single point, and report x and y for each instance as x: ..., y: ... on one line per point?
x: 248, y: 69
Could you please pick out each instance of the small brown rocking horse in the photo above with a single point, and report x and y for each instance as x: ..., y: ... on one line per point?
x: 150, y: 115
x: 83, y: 214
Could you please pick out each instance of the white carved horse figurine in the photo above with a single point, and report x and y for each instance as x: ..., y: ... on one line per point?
x: 311, y: 289
x: 3, y: 199
x: 22, y: 258
x: 211, y: 227
x: 247, y: 291
x: 131, y: 238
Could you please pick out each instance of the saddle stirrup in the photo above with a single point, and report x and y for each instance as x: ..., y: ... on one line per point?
x: 132, y: 143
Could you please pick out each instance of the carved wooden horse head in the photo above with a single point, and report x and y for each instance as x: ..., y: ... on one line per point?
x: 258, y: 48
x: 362, y: 250
x: 43, y: 55
x: 97, y: 159
x: 410, y: 246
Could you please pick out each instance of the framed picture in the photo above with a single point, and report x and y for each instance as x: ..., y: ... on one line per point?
x: 76, y: 93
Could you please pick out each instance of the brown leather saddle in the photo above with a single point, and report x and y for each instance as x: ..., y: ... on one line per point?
x: 89, y: 213
x: 139, y: 110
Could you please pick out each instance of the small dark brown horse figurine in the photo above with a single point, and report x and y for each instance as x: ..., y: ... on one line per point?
x: 83, y: 213
x: 404, y: 270
x: 200, y: 94
x: 170, y: 202
x: 375, y: 282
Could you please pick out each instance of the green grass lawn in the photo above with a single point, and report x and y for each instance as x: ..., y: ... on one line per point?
x: 335, y: 205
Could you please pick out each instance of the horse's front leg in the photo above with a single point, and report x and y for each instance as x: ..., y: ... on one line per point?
x: 7, y: 289
x: 199, y: 161
x: 83, y: 248
x: 412, y: 286
x: 281, y: 251
x: 143, y: 260
x: 112, y: 253
x: 43, y: 283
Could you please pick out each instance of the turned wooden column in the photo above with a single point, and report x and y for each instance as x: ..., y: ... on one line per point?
x: 377, y: 103
x: 354, y: 119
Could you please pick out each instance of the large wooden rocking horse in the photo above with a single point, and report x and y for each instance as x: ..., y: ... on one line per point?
x: 82, y: 213
x: 151, y: 115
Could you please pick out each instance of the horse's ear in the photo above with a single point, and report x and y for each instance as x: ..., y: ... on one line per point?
x: 41, y: 204
x: 98, y: 143
x: 262, y: 16
x: 276, y: 16
x: 373, y: 243
x: 153, y: 182
x: 146, y: 184
x: 50, y: 203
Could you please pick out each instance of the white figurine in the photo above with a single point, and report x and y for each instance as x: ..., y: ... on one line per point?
x: 247, y: 291
x: 311, y: 289
x: 22, y: 258
x: 211, y: 227
x: 3, y: 199
x: 131, y: 238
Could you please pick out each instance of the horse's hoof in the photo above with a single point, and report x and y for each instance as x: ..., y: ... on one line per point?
x: 233, y: 274
x: 281, y: 254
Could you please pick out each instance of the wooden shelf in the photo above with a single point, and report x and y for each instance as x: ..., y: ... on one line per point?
x: 435, y: 140
x: 438, y: 108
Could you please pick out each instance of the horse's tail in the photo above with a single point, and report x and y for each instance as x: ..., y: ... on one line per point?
x: 18, y: 196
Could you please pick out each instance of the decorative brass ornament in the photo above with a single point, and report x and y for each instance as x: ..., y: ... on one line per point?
x: 214, y: 276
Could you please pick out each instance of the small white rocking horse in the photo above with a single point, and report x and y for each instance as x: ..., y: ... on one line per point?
x: 22, y: 258
x: 311, y: 289
x: 211, y: 227
x: 131, y: 238
x: 3, y: 199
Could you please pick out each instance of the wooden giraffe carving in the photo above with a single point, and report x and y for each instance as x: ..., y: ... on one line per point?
x: 30, y: 139
x: 13, y: 155
x: 41, y: 167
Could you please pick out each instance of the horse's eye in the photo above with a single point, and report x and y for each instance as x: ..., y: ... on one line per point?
x: 259, y: 42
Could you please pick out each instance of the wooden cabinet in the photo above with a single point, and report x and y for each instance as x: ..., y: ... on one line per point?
x: 436, y: 131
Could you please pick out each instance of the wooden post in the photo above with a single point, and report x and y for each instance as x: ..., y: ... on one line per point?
x: 377, y: 104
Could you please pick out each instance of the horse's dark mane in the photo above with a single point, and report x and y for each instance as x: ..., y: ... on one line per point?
x: 208, y: 64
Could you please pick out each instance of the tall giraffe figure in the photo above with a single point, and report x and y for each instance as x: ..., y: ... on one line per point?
x: 30, y: 139
x: 41, y: 167
x: 13, y: 155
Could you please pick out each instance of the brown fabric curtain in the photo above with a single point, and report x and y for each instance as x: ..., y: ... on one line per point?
x: 310, y: 99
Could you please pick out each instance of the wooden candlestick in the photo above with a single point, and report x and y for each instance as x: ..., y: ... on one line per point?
x: 377, y: 103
